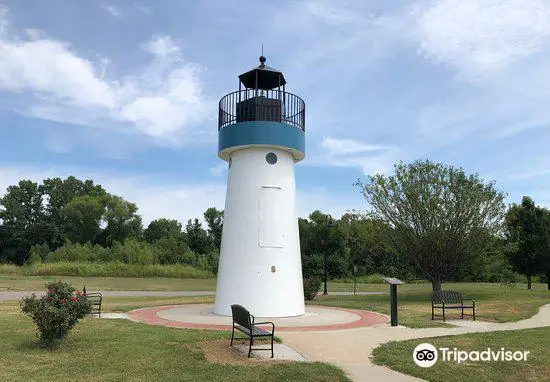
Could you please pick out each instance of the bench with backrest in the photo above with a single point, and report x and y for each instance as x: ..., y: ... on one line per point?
x: 95, y: 299
x: 451, y: 300
x: 244, y: 322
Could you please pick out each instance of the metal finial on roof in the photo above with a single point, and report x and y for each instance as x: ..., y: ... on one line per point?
x: 262, y: 77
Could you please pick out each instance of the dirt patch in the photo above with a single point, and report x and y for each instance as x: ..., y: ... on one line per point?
x: 219, y: 351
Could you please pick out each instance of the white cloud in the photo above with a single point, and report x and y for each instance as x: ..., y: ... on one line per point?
x: 163, y: 99
x: 114, y: 11
x: 47, y: 67
x: 349, y: 146
x: 482, y: 36
x: 351, y: 153
x: 162, y: 46
x: 498, y: 53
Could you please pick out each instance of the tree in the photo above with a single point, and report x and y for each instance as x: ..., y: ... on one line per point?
x: 197, y: 237
x: 437, y: 214
x: 23, y: 221
x: 527, y: 228
x: 160, y: 228
x: 121, y: 219
x: 58, y: 193
x: 82, y: 217
x: 318, y: 238
x: 370, y: 244
x: 214, y: 220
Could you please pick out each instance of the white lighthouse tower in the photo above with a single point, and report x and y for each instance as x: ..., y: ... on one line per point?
x: 261, y: 131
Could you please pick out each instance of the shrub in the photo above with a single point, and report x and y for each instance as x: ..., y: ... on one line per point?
x: 57, y: 312
x: 38, y: 253
x: 112, y: 269
x: 311, y: 287
x: 34, y: 258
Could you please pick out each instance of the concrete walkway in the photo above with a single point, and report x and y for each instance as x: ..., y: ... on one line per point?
x: 16, y: 295
x: 351, y: 349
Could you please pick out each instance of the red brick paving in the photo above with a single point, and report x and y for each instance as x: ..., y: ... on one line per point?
x: 149, y: 316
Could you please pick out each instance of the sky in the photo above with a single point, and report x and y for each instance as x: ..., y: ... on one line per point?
x: 126, y: 92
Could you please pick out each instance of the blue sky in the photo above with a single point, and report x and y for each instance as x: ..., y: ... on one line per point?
x: 126, y: 92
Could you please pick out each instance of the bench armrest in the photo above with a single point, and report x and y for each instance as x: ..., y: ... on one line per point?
x: 265, y: 323
x: 469, y: 299
x: 252, y: 318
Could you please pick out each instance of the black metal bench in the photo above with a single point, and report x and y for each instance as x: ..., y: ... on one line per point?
x: 244, y: 322
x: 451, y: 300
x: 95, y: 299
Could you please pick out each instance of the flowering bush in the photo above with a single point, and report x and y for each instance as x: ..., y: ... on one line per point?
x: 57, y: 312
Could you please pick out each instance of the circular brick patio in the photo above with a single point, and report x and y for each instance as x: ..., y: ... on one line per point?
x: 200, y: 316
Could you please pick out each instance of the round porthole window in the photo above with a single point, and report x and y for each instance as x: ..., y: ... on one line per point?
x: 271, y: 158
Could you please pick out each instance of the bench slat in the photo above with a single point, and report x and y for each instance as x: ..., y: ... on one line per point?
x: 256, y: 332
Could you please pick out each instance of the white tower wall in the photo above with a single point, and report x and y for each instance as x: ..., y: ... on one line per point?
x: 260, y: 265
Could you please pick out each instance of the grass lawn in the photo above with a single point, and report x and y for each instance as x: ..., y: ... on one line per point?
x: 120, y: 350
x: 493, y: 302
x: 398, y: 356
x: 126, y: 304
x: 15, y: 283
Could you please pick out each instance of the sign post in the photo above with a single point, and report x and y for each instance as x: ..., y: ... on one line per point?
x: 393, y: 297
x: 354, y: 280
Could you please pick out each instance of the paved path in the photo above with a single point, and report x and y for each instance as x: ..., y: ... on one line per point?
x: 200, y: 316
x: 140, y: 293
x: 351, y: 349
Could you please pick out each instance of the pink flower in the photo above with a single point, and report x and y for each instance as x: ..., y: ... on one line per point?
x: 74, y: 299
x: 63, y: 301
x: 51, y: 298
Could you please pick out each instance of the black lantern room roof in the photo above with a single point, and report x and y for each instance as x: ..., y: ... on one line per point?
x: 262, y: 77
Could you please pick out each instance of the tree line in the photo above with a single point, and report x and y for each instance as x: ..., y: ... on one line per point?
x: 74, y: 220
x: 427, y: 221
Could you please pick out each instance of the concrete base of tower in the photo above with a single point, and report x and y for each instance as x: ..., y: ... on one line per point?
x: 260, y: 265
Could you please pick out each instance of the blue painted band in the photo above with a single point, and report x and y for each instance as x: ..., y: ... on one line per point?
x: 261, y: 133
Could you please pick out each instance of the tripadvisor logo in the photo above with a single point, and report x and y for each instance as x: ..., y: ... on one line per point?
x: 426, y: 355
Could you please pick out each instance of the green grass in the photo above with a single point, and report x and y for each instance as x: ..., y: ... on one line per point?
x: 120, y: 350
x: 104, y: 270
x: 16, y: 283
x: 398, y: 356
x: 126, y: 304
x: 493, y: 302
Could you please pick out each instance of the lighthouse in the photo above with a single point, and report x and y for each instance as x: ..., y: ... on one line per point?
x: 261, y: 134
